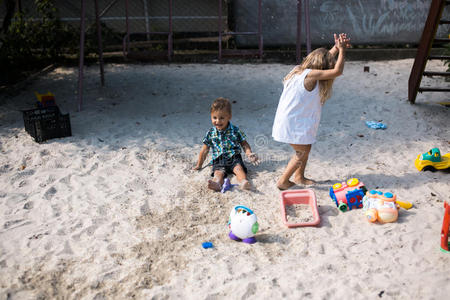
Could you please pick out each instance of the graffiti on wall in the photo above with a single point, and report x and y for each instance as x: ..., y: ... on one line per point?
x: 366, y: 21
x: 384, y: 18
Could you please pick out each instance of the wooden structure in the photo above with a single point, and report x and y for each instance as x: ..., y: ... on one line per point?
x: 427, y: 41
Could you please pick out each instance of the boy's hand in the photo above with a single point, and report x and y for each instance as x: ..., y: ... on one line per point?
x: 253, y: 158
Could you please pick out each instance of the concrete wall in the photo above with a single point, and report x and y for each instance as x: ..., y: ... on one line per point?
x: 366, y: 21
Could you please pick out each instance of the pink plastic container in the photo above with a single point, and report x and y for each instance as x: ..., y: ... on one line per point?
x: 304, y: 197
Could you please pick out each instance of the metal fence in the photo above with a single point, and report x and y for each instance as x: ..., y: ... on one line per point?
x: 366, y: 21
x: 188, y: 16
x: 194, y: 24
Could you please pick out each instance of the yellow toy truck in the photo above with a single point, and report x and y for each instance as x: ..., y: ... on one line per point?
x: 432, y: 161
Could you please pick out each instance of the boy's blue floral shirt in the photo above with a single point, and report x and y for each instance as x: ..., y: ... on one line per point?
x: 224, y: 142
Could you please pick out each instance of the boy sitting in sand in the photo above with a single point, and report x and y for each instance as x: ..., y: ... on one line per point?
x: 226, y: 141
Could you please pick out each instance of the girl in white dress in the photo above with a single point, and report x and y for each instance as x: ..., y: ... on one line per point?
x: 306, y: 88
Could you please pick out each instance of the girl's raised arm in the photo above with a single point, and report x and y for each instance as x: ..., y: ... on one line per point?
x: 335, y: 49
x: 341, y: 44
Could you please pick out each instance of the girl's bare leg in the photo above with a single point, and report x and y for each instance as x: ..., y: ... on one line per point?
x: 216, y: 183
x: 297, y: 164
x: 299, y: 175
x: 242, y: 177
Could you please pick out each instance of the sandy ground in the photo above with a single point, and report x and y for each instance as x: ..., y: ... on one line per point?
x: 115, y: 211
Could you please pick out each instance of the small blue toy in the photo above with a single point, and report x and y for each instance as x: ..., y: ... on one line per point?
x: 375, y: 125
x: 227, y: 185
x: 207, y: 245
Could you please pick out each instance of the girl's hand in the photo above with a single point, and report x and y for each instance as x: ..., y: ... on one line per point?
x: 197, y: 168
x: 253, y: 158
x: 336, y: 40
x: 342, y: 42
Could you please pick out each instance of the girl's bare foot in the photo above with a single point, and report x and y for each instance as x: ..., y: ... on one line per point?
x: 304, y: 181
x: 245, y: 184
x: 285, y: 185
x: 215, y: 186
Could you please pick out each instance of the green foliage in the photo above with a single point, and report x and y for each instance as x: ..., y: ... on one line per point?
x: 28, y: 42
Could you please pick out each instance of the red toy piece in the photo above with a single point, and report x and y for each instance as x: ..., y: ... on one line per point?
x: 445, y: 245
x: 45, y: 100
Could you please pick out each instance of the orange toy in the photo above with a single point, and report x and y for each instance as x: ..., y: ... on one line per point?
x: 445, y: 244
x: 380, y: 207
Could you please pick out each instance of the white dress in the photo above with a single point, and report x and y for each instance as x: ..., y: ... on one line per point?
x: 298, y: 113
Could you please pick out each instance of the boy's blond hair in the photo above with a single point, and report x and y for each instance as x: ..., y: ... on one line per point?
x: 221, y: 104
x: 319, y: 59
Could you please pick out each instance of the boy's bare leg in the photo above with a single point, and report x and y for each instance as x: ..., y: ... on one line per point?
x: 299, y: 175
x: 297, y: 164
x: 242, y: 177
x: 216, y: 183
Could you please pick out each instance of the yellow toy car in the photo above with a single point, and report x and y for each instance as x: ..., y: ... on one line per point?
x: 432, y: 161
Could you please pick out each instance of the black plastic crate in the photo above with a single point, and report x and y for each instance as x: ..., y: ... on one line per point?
x: 46, y: 123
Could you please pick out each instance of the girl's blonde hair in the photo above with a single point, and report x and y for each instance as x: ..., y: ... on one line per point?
x: 319, y: 59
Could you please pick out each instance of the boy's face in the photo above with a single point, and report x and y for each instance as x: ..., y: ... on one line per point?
x: 220, y: 119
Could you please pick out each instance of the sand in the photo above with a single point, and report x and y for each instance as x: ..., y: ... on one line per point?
x: 299, y: 213
x: 116, y: 211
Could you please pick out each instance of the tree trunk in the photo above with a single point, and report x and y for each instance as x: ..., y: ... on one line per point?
x: 10, y: 7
